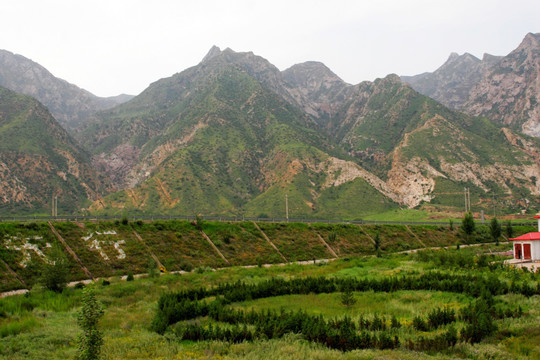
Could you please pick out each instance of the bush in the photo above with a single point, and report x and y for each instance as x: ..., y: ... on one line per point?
x: 91, y: 339
x: 153, y: 271
x: 130, y: 277
x: 419, y: 324
x: 79, y: 285
x: 54, y: 274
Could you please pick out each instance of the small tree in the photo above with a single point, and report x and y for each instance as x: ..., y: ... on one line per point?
x: 91, y: 339
x: 199, y: 222
x: 377, y: 244
x: 153, y: 271
x: 332, y: 237
x: 468, y: 225
x: 509, y: 229
x: 495, y: 230
x: 347, y: 297
x: 55, y: 272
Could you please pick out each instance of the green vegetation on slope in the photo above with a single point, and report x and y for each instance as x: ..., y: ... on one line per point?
x: 114, y: 248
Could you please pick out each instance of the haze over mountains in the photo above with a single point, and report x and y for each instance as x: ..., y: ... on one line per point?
x: 233, y: 135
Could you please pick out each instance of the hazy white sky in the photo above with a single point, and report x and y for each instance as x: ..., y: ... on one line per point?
x: 110, y: 47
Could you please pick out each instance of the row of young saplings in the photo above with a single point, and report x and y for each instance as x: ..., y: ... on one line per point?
x: 343, y: 334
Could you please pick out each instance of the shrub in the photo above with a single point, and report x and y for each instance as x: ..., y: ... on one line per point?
x: 54, y: 275
x: 79, y: 285
x: 394, y: 323
x: 509, y: 229
x: 91, y: 339
x: 130, y: 277
x: 467, y: 225
x: 153, y: 271
x: 419, y: 324
x: 495, y: 230
x: 332, y: 237
x: 347, y: 297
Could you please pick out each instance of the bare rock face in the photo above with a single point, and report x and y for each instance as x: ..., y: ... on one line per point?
x: 510, y: 91
x: 505, y: 89
x: 68, y: 103
x: 452, y: 82
x: 316, y: 89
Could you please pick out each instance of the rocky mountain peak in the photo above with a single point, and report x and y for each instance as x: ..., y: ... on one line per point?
x: 453, y: 56
x: 491, y: 59
x: 214, y: 51
x: 391, y: 79
x: 451, y: 83
x: 312, y: 76
x: 457, y: 60
x: 531, y: 40
x: 509, y: 93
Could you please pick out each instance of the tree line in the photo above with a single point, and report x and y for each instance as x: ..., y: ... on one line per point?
x: 343, y: 334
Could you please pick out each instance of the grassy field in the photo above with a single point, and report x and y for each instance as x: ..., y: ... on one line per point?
x: 43, y: 325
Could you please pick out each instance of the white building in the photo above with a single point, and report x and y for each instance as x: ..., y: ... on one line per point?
x: 527, y: 247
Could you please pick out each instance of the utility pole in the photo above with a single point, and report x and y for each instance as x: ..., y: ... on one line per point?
x: 465, y: 191
x: 494, y: 214
x: 287, y: 207
x: 54, y: 206
x: 469, y: 196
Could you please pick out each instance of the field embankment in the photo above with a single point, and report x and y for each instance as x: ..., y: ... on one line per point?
x: 106, y: 249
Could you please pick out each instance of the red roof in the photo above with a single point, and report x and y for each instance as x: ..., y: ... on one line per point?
x: 528, y: 237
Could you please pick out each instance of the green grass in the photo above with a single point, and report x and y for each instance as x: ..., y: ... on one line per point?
x: 402, y: 304
x: 43, y: 324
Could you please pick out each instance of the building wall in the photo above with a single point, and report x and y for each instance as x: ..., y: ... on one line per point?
x: 535, y: 249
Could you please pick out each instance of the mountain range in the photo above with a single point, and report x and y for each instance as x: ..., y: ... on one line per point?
x: 505, y: 89
x: 69, y: 104
x: 234, y: 135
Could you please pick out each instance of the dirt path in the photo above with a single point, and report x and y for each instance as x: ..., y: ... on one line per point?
x: 214, y: 247
x: 365, y: 233
x: 10, y: 270
x: 416, y: 237
x: 270, y: 242
x: 148, y: 248
x: 70, y: 251
x: 327, y: 246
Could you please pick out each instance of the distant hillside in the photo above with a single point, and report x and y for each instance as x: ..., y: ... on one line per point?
x: 234, y: 135
x: 39, y: 159
x: 66, y: 102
